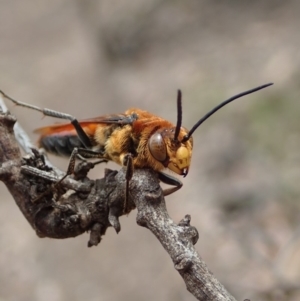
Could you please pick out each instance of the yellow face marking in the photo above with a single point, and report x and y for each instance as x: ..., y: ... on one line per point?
x: 183, y: 157
x: 180, y: 163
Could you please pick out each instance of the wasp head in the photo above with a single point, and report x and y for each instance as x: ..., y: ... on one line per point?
x: 167, y: 147
x: 172, y: 146
x: 172, y: 154
x: 180, y: 153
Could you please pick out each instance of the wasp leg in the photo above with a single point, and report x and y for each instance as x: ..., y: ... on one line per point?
x: 167, y: 179
x: 84, y: 138
x: 82, y: 153
x: 128, y: 162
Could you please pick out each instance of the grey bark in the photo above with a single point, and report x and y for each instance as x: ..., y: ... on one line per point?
x: 79, y: 204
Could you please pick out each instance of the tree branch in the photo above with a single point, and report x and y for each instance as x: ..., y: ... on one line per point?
x: 80, y: 204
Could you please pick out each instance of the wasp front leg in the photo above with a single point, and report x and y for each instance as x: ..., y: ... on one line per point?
x: 167, y: 179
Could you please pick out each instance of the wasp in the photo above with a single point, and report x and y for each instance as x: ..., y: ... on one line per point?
x: 136, y: 139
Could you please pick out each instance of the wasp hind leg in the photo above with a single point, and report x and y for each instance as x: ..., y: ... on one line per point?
x: 56, y: 114
x: 82, y: 154
x: 167, y: 179
x: 84, y: 138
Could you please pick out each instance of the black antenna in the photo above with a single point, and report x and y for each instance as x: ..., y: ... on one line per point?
x: 214, y: 110
x: 179, y: 115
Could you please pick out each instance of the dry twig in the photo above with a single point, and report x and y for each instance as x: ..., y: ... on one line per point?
x: 80, y: 204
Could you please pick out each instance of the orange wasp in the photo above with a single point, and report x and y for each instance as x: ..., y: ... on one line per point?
x: 136, y: 139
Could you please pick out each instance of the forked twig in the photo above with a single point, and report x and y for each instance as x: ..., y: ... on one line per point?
x: 95, y: 205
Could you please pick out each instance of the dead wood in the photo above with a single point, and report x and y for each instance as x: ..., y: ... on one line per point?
x: 80, y: 204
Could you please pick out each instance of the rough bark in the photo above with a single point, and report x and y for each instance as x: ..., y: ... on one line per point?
x: 79, y: 204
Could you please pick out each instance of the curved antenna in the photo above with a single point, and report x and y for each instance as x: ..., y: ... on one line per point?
x: 179, y: 116
x: 224, y: 103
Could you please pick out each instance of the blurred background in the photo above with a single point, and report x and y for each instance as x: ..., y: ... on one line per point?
x: 90, y: 58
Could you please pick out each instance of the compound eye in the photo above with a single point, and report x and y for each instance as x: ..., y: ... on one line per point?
x: 157, y: 147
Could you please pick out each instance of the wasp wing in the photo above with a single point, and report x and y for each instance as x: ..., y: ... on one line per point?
x: 61, y: 139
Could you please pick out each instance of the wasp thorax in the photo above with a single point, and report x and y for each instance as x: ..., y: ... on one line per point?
x: 157, y: 147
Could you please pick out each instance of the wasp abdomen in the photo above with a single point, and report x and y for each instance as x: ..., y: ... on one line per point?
x: 61, y: 145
